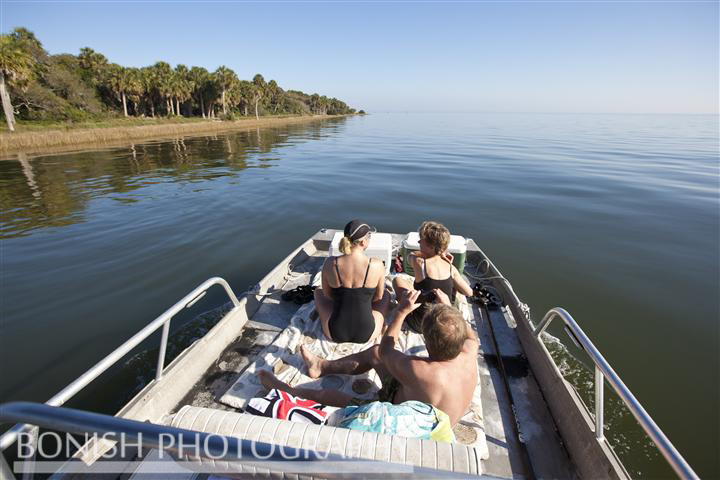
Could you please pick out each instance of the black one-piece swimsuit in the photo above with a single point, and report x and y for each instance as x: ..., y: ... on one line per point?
x: 352, y: 319
x: 414, y: 320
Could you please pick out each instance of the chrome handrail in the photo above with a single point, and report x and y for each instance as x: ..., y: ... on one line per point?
x: 603, y: 370
x: 134, y: 432
x: 9, y: 437
x: 215, y: 447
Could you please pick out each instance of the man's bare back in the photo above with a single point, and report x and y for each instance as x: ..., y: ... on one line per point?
x: 447, y: 385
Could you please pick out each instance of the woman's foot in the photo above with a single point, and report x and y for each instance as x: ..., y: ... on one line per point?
x: 270, y: 381
x: 314, y: 363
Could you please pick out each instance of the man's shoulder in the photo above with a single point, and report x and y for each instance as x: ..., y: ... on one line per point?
x: 420, y: 365
x: 435, y: 374
x: 423, y: 366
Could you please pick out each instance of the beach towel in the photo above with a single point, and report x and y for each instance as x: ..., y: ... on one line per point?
x: 283, y: 406
x: 407, y: 419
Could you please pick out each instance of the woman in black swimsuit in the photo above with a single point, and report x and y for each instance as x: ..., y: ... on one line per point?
x: 433, y: 271
x: 352, y: 303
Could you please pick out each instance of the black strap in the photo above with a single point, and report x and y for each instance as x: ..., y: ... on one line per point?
x: 367, y: 271
x: 338, y: 272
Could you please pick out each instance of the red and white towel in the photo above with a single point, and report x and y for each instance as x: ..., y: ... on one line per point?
x: 283, y: 406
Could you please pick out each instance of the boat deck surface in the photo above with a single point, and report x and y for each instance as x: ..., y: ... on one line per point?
x: 520, y: 434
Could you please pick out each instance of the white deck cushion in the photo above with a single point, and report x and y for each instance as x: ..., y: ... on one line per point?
x: 353, y: 444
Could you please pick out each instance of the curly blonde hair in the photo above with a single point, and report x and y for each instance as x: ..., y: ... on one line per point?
x: 436, y: 235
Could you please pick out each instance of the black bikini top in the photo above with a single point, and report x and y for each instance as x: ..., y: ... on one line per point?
x: 427, y: 283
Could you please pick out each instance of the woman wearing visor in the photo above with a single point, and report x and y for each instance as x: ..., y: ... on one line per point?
x: 352, y: 303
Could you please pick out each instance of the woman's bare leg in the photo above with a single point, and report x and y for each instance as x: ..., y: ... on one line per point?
x: 354, y: 364
x: 379, y: 311
x: 324, y: 307
x: 335, y: 398
x: 402, y: 286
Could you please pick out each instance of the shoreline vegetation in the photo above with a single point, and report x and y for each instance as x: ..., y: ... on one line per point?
x: 38, y: 138
x: 65, y: 100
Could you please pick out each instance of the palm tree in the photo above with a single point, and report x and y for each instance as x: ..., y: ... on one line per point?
x: 29, y: 43
x: 242, y: 95
x: 259, y: 87
x: 93, y: 64
x: 315, y: 103
x: 183, y: 89
x: 147, y: 77
x: 211, y: 92
x: 16, y: 64
x: 324, y: 102
x: 198, y: 77
x: 117, y: 81
x: 162, y: 76
x: 135, y: 87
x: 174, y: 86
x: 275, y: 94
x: 225, y: 78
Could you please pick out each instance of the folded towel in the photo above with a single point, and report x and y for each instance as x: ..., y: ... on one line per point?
x: 283, y: 406
x: 407, y: 419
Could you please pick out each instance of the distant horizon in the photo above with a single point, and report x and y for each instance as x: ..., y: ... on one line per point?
x: 714, y: 114
x: 528, y: 57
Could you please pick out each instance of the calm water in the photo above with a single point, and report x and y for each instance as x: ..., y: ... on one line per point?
x: 613, y: 217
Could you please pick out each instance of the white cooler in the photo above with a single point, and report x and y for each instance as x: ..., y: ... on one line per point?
x: 380, y: 247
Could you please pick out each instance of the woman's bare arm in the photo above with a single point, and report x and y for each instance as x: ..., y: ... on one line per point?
x: 415, y: 259
x: 380, y: 288
x: 326, y: 272
x: 460, y: 284
x: 387, y: 344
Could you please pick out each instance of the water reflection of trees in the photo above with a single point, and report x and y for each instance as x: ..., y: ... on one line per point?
x: 54, y: 190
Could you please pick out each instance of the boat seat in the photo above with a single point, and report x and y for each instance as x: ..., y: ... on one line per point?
x: 454, y: 457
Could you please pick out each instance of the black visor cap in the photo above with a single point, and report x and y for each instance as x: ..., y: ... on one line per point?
x: 356, y: 230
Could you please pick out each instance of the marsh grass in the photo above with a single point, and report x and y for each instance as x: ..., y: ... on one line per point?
x: 23, y: 126
x: 35, y: 136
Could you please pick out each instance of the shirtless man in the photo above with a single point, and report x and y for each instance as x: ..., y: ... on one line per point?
x: 446, y: 379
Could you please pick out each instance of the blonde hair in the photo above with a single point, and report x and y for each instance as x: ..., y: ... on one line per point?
x: 444, y: 330
x: 436, y: 235
x: 346, y: 245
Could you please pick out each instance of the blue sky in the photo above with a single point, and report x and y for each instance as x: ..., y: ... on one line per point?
x: 562, y: 56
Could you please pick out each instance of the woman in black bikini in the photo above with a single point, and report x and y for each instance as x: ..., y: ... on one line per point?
x: 352, y: 303
x: 433, y: 270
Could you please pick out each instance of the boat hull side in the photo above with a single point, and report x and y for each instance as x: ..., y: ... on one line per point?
x: 593, y: 458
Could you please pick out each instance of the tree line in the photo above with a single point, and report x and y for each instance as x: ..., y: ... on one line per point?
x: 35, y: 85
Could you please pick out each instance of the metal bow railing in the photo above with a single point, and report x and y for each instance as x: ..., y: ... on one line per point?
x: 9, y: 437
x: 215, y: 448
x: 603, y: 371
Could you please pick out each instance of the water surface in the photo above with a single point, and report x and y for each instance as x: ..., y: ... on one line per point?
x: 614, y: 217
